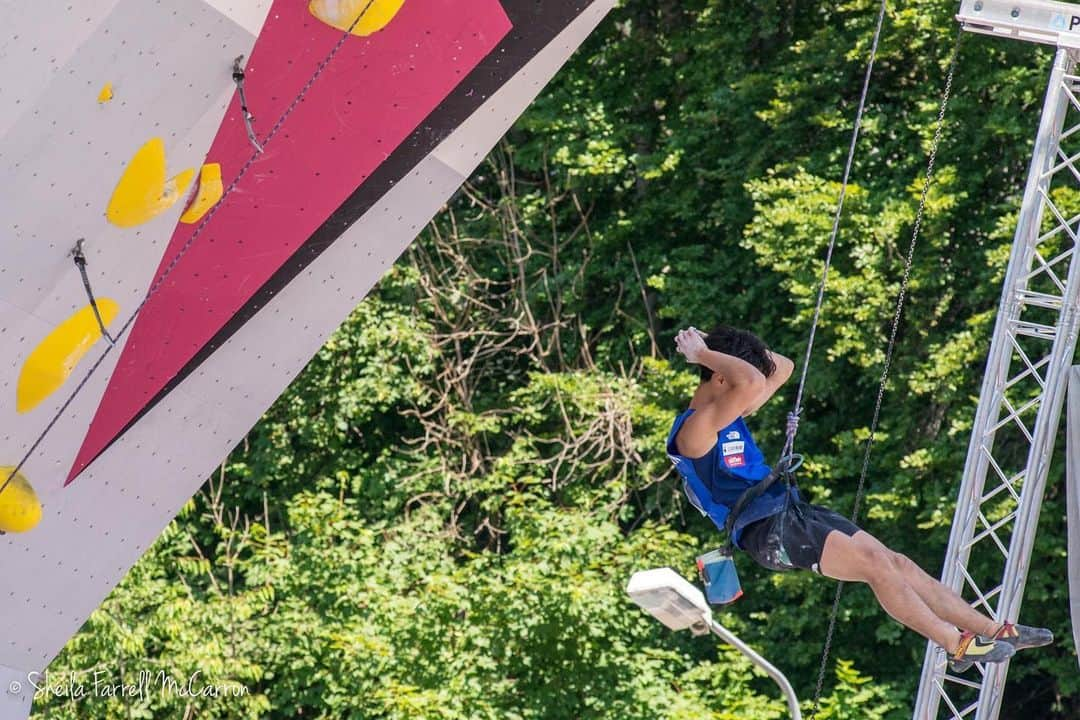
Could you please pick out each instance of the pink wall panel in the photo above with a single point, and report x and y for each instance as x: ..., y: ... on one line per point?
x: 371, y: 96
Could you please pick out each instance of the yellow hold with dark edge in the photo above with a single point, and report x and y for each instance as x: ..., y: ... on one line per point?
x: 210, y: 191
x: 54, y: 359
x: 20, y: 510
x: 143, y: 193
x: 341, y: 14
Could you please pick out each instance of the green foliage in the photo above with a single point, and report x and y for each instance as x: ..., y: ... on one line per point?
x: 858, y: 697
x: 438, y: 518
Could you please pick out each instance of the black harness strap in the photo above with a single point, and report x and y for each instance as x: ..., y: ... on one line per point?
x: 782, y: 470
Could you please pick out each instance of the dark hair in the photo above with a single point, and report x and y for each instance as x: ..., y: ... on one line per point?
x: 742, y: 344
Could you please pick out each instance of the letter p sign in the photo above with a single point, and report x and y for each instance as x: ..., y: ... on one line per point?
x: 1074, y: 21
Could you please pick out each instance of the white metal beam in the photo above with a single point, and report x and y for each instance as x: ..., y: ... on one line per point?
x: 1072, y: 502
x: 1040, y: 21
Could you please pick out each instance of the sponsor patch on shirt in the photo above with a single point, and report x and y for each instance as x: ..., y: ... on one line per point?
x: 733, y: 448
x: 733, y: 435
x: 734, y: 461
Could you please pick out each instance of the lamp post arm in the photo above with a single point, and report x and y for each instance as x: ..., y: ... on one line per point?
x: 778, y: 677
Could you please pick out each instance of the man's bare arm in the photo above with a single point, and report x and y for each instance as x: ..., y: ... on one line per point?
x: 737, y: 372
x: 784, y: 368
x: 724, y: 402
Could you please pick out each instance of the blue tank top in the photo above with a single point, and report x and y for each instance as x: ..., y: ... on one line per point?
x: 714, y: 482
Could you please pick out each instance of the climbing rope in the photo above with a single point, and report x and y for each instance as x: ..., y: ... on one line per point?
x: 900, y: 299
x: 793, y: 416
x: 187, y: 245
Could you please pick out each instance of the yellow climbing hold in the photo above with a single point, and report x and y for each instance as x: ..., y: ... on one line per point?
x: 55, y: 357
x: 106, y: 94
x: 210, y: 190
x: 343, y: 13
x: 20, y: 509
x: 143, y: 193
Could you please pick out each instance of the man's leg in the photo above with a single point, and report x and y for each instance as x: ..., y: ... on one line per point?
x: 848, y: 559
x: 942, y: 600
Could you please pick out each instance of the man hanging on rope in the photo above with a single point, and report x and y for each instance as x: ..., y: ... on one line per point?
x: 711, y: 442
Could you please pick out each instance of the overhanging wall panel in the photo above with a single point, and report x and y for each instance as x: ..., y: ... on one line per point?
x: 95, y: 528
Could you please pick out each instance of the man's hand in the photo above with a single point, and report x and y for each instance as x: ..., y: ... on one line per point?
x: 691, y: 343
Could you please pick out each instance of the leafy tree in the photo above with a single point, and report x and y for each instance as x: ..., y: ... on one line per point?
x: 438, y: 518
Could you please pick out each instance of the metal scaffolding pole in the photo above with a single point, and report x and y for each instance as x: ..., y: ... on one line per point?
x: 1019, y: 410
x: 1072, y: 502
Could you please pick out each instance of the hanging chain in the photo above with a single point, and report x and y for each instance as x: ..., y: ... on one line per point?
x: 901, y: 297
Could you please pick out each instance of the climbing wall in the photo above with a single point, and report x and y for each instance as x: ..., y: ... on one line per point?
x: 219, y: 259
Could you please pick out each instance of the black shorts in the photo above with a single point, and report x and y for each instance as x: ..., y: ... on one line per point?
x: 794, y: 537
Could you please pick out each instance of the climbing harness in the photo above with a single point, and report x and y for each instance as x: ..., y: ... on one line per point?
x: 900, y: 299
x: 784, y: 470
x: 185, y: 247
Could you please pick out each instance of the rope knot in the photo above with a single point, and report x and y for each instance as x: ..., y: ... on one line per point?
x: 793, y: 423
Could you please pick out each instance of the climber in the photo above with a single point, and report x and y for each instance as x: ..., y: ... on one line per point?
x: 781, y: 532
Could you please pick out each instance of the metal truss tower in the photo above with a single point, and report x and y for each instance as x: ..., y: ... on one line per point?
x: 1034, y: 338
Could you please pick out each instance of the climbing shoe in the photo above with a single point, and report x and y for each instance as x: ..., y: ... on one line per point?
x: 1023, y: 637
x: 978, y: 649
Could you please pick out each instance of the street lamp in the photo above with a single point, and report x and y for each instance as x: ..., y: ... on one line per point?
x: 669, y: 598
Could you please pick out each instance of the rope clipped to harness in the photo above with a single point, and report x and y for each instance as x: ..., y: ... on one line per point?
x: 790, y: 431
